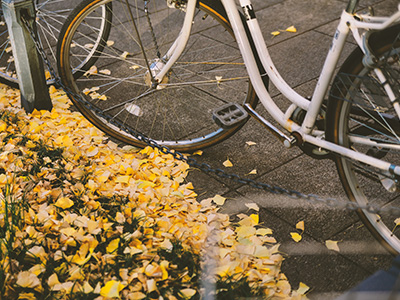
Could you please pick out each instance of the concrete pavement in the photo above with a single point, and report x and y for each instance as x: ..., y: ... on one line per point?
x: 299, y: 57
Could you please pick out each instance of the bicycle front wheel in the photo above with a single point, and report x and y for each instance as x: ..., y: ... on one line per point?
x: 361, y: 116
x: 117, y: 93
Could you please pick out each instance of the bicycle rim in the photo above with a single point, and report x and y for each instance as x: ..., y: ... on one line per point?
x: 178, y: 113
x: 362, y: 114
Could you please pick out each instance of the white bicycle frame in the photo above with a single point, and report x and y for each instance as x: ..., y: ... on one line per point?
x: 348, y: 22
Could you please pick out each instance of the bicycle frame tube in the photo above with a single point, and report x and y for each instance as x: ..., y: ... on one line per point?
x: 252, y: 69
x: 266, y: 60
x: 328, y: 70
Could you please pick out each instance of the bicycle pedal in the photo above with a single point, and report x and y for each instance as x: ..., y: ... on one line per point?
x: 229, y: 115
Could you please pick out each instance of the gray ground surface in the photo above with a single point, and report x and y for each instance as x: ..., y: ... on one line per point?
x: 299, y: 57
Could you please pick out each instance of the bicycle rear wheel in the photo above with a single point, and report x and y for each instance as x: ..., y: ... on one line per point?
x: 178, y: 112
x: 360, y: 116
x: 50, y: 16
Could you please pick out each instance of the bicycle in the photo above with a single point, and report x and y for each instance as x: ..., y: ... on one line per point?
x: 50, y: 16
x: 153, y: 57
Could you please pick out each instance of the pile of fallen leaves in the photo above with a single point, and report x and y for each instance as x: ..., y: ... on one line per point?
x: 81, y: 218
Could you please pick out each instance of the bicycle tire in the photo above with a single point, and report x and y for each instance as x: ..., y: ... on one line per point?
x: 359, y: 107
x: 181, y: 110
x: 50, y: 16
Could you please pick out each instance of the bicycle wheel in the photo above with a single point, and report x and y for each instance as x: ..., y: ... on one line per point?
x: 50, y: 16
x: 177, y: 113
x: 360, y: 116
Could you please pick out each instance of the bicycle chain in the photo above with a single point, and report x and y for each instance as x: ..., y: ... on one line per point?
x: 312, y: 198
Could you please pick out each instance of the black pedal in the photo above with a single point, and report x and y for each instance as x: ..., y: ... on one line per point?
x: 229, y: 115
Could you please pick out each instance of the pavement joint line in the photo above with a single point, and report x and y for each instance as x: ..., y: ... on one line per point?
x: 346, y: 248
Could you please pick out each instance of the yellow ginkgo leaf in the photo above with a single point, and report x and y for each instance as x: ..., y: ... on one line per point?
x: 300, y: 225
x: 3, y: 179
x: 34, y: 127
x: 227, y: 163
x: 151, y: 285
x: 105, y: 72
x: 262, y: 252
x: 37, y: 269
x: 250, y: 143
x: 144, y: 184
x: 166, y: 244
x: 198, y: 152
x: 263, y: 231
x: 27, y: 279
x: 296, y: 237
x: 112, y: 246
x: 219, y: 200
x: 92, y: 89
x: 332, y: 245
x: 187, y: 293
x: 93, y: 227
x: 124, y: 55
x: 104, y: 177
x: 164, y: 271
x: 291, y: 29
x: 137, y: 295
x: 110, y: 43
x: 275, y: 33
x: 53, y: 280
x: 283, y: 286
x: 87, y: 288
x: 64, y: 203
x: 120, y: 218
x: 91, y: 71
x: 245, y: 231
x: 397, y: 221
x: 255, y: 218
x: 253, y: 206
x: 253, y: 172
x: 122, y: 179
x: 92, y: 151
x: 303, y: 288
x: 112, y: 289
x: 3, y: 126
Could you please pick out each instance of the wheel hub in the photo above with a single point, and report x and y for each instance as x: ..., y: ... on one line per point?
x: 155, y: 68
